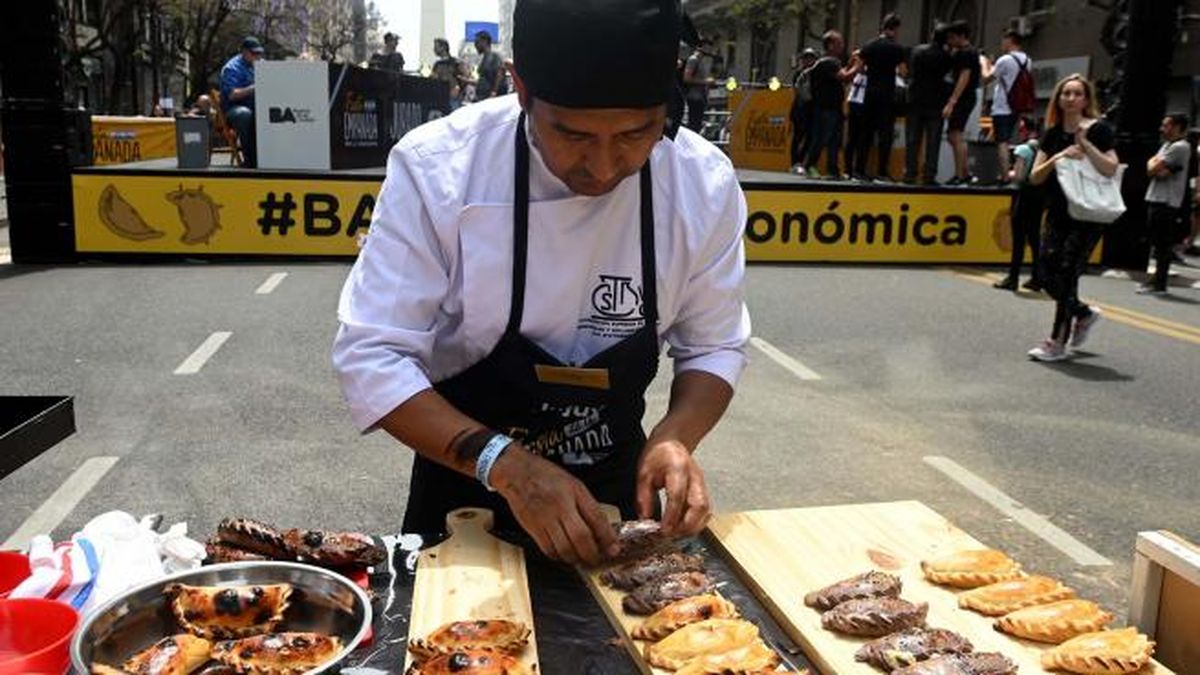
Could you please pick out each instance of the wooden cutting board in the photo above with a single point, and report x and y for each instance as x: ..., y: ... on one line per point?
x: 471, y: 575
x: 784, y: 554
x: 610, y: 599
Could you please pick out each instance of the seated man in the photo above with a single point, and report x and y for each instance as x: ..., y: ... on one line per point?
x: 237, y: 96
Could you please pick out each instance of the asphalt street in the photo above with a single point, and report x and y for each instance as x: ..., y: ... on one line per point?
x: 915, y: 363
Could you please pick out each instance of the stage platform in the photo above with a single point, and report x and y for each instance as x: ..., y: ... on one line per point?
x: 155, y: 208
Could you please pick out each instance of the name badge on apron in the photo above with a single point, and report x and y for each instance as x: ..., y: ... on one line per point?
x: 590, y: 378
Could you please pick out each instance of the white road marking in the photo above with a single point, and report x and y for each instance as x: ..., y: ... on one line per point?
x: 791, y: 365
x: 1046, y: 530
x: 192, y: 364
x: 271, y: 282
x: 61, y: 503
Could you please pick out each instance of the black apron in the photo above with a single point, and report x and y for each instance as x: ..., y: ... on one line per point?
x: 567, y: 414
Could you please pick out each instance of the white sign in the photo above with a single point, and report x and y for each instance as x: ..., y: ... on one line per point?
x: 1047, y: 72
x: 291, y: 114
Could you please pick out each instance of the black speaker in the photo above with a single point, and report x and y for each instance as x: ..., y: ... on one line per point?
x: 31, y: 51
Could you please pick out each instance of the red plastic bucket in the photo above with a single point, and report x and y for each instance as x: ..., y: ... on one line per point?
x: 35, y: 636
x: 14, y: 568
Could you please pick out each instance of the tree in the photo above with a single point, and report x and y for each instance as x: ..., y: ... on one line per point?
x: 333, y: 26
x: 763, y: 18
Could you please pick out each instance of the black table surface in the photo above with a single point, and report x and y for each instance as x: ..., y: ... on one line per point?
x: 573, y: 633
x: 31, y: 425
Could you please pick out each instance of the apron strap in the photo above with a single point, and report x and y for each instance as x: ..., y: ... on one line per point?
x: 520, y: 230
x: 649, y: 274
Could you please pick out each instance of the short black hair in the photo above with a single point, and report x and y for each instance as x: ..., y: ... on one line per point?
x: 890, y: 22
x: 938, y: 36
x: 1180, y: 120
x: 1013, y: 35
x: 391, y: 37
x: 483, y: 35
x: 961, y: 28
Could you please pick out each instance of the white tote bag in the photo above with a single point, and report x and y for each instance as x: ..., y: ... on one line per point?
x: 1091, y: 196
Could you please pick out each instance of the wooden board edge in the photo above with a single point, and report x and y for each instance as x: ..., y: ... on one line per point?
x: 631, y: 646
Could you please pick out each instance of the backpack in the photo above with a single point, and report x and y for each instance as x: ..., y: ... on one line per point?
x: 1022, y: 95
x: 803, y: 85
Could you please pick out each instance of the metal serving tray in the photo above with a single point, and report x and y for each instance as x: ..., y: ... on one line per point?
x: 322, y: 602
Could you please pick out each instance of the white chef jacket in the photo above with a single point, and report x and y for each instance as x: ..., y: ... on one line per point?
x: 430, y: 293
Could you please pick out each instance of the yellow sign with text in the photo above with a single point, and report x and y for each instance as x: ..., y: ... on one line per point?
x: 197, y: 214
x: 119, y: 140
x: 761, y: 131
x: 867, y: 226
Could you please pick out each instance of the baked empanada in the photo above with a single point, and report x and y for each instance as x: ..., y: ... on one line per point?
x: 873, y: 584
x: 1009, y: 596
x: 499, y: 635
x: 1107, y: 652
x: 682, y: 612
x: 983, y: 663
x: 874, y: 617
x: 470, y: 662
x: 712, y: 636
x: 971, y: 568
x: 637, y: 572
x: 175, y: 655
x: 1056, y: 621
x: 227, y: 612
x: 755, y: 657
x: 658, y: 593
x: 906, y: 647
x: 101, y: 669
x: 278, y: 653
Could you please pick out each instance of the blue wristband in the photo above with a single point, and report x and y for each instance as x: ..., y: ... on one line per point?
x: 487, y: 458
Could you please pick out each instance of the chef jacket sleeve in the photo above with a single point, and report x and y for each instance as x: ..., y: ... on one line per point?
x: 389, y: 304
x: 712, y: 325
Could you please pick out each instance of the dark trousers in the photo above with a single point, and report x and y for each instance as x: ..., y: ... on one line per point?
x: 241, y: 119
x: 1027, y: 229
x: 856, y: 131
x: 826, y: 135
x: 695, y: 113
x: 879, y: 128
x: 922, y: 126
x: 1065, y: 252
x: 1164, y: 228
x: 801, y: 118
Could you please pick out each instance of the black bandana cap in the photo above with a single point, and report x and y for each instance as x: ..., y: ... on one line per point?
x: 597, y: 53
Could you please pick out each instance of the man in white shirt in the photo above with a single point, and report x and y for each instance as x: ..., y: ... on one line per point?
x: 1005, y: 73
x: 501, y: 320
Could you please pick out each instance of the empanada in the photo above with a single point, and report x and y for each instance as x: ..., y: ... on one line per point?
x: 755, y: 657
x: 278, y: 653
x: 874, y: 617
x: 873, y: 584
x: 499, y: 635
x: 1008, y: 596
x: 175, y: 655
x: 681, y: 613
x: 227, y: 612
x: 982, y: 663
x: 470, y: 662
x: 906, y: 647
x: 1056, y: 621
x: 658, y: 593
x: 971, y: 568
x: 1107, y: 652
x: 712, y: 636
x: 101, y: 669
x: 637, y: 572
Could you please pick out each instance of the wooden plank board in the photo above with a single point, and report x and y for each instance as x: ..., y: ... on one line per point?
x: 610, y: 600
x: 471, y: 575
x: 785, y: 553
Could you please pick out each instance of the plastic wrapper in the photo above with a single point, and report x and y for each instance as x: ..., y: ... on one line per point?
x: 573, y: 634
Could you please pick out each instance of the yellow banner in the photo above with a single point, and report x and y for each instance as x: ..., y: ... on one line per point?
x: 126, y: 213
x: 761, y: 133
x: 788, y: 225
x: 119, y: 140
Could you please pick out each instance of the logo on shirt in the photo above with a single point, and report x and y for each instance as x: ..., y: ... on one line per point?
x: 617, y: 310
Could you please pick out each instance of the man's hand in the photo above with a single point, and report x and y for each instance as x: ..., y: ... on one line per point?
x: 668, y: 465
x: 948, y: 110
x: 554, y: 507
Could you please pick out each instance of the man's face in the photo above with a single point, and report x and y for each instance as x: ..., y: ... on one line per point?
x: 389, y: 46
x: 836, y: 46
x: 592, y: 150
x: 481, y: 45
x: 1007, y: 45
x: 1167, y: 129
x: 250, y: 56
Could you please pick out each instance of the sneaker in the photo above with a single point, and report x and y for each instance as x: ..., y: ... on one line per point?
x: 1151, y: 289
x: 814, y: 173
x: 798, y: 169
x: 1083, y: 325
x: 1033, y: 285
x: 1049, y: 350
x: 955, y: 180
x: 1008, y: 283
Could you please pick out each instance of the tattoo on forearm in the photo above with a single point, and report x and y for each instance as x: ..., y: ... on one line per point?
x: 467, y: 445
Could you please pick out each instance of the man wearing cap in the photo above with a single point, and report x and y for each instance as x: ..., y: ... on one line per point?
x: 528, y: 257
x: 389, y: 58
x: 237, y: 96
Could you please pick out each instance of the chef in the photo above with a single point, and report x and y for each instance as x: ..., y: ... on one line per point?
x: 527, y: 259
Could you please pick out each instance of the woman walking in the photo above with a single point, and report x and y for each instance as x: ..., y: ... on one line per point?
x: 1074, y: 131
